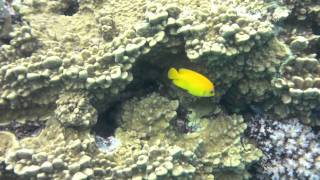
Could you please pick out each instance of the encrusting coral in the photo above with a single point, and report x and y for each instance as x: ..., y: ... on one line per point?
x: 148, y: 112
x: 149, y: 149
x: 89, y: 63
x: 211, y: 151
x: 299, y: 86
x: 8, y: 140
x: 74, y: 109
x: 55, y: 149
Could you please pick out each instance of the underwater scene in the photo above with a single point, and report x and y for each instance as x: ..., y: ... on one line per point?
x: 160, y: 89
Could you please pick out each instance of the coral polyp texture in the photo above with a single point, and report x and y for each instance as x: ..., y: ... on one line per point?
x: 73, y: 70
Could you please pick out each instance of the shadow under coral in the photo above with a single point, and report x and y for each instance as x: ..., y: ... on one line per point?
x: 150, y: 75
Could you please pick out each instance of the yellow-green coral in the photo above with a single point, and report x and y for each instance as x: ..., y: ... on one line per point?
x: 8, y: 141
x: 216, y: 145
x: 298, y: 87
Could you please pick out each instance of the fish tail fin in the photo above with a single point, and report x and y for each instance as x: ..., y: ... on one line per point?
x: 173, y: 73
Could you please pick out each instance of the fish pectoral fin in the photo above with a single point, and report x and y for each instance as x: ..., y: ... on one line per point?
x: 179, y: 83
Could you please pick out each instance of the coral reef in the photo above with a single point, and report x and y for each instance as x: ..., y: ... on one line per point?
x: 22, y: 43
x: 55, y: 149
x: 8, y: 141
x: 5, y: 20
x: 292, y: 150
x: 25, y: 129
x: 219, y: 37
x: 303, y: 10
x: 210, y: 152
x: 259, y: 70
x: 65, y: 62
x: 16, y: 38
x: 84, y: 61
x: 299, y: 85
x: 150, y: 148
x: 74, y: 109
x: 149, y: 112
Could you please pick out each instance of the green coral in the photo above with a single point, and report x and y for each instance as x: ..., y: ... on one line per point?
x: 154, y: 116
x: 214, y: 153
x: 23, y: 43
x: 259, y: 69
x: 55, y: 149
x: 105, y: 68
x: 149, y: 149
x: 298, y: 86
x: 74, y: 109
x: 223, y: 153
x: 8, y: 141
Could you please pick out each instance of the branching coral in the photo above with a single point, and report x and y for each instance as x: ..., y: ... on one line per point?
x: 292, y: 150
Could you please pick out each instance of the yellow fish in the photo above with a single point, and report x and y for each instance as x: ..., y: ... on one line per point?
x: 195, y: 83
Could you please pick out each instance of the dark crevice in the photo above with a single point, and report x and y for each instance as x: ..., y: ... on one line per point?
x: 107, y: 121
x: 149, y: 75
x: 8, y: 175
x: 23, y: 130
x: 147, y: 78
x: 231, y: 103
x: 315, y: 28
x: 315, y: 114
x: 72, y: 9
x: 5, y: 40
x: 256, y: 170
x: 180, y: 124
x: 143, y: 83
